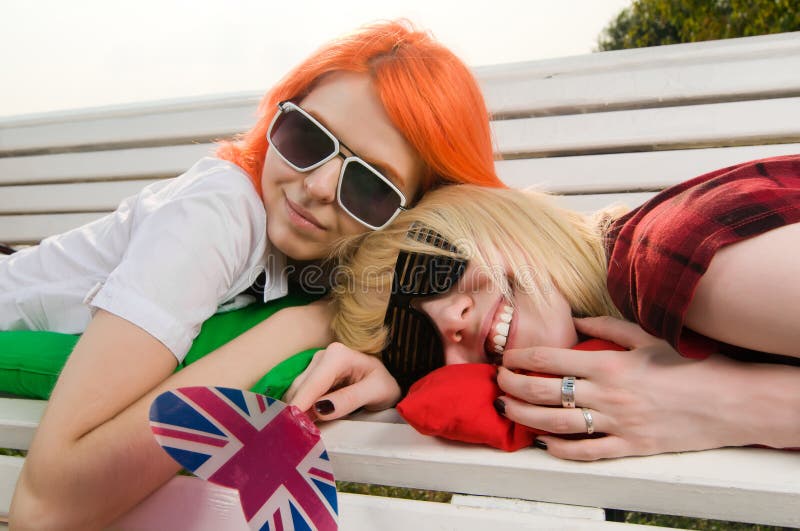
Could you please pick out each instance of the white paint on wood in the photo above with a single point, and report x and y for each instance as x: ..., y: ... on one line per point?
x: 713, y: 71
x: 190, y: 504
x: 623, y: 172
x: 28, y: 228
x: 157, y: 162
x: 157, y: 125
x: 73, y: 197
x: 743, y: 484
x: 19, y: 418
x: 529, y: 507
x: 718, y: 124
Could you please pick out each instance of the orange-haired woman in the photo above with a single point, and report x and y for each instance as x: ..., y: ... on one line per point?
x: 349, y: 138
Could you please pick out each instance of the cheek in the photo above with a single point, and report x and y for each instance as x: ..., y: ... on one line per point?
x: 549, y: 325
x: 347, y: 225
x: 275, y: 171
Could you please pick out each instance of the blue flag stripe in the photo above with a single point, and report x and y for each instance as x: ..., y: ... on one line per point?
x: 168, y: 408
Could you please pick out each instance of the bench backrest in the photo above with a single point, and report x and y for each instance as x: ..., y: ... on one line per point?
x: 599, y: 128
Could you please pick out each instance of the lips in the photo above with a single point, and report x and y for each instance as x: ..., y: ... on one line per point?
x: 302, y: 215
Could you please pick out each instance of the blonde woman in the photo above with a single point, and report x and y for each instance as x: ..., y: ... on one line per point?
x: 485, y: 272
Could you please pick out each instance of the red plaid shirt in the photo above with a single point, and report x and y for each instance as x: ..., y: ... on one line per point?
x: 658, y: 251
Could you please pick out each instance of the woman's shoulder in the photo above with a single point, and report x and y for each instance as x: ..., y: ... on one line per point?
x: 737, y: 198
x: 215, y: 176
x: 658, y: 252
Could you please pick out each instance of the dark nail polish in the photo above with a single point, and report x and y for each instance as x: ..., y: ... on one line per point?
x: 500, y: 406
x: 324, y: 407
x: 540, y: 444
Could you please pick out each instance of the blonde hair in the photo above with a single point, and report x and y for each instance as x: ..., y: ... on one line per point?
x: 547, y: 247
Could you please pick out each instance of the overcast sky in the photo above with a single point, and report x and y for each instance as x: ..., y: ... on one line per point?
x: 63, y: 54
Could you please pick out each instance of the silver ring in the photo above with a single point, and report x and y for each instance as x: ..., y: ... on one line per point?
x: 568, y: 391
x: 587, y: 416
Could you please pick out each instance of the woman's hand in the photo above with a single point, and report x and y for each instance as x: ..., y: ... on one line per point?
x: 649, y: 399
x: 340, y: 380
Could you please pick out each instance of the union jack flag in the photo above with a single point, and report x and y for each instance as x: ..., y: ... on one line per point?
x: 270, y: 452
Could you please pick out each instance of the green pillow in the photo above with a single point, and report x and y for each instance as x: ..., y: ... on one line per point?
x: 30, y: 362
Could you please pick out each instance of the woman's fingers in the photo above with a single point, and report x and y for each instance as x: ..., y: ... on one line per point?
x: 590, y: 449
x: 373, y: 393
x: 340, y: 380
x: 318, y: 378
x: 541, y: 390
x: 551, y: 360
x: 551, y: 419
x: 623, y: 333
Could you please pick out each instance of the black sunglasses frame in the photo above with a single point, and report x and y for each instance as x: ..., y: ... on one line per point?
x: 414, y: 347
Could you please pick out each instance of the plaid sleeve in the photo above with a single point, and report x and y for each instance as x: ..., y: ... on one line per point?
x: 658, y: 252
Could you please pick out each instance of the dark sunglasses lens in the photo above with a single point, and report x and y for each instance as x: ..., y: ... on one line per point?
x: 415, y: 348
x: 300, y: 140
x: 367, y: 196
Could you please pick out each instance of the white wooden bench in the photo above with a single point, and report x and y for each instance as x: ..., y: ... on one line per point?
x: 598, y: 128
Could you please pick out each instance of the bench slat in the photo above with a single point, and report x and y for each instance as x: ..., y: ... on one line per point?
x: 726, y: 484
x: 158, y: 124
x: 187, y: 503
x: 30, y: 228
x: 709, y: 71
x: 74, y: 197
x: 165, y: 161
x: 619, y: 172
x: 712, y: 125
x: 721, y: 484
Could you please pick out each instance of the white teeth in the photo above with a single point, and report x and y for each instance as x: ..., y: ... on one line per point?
x: 501, y: 328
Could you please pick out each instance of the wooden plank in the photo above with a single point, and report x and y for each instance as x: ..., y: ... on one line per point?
x: 742, y: 484
x: 529, y: 507
x: 713, y: 125
x: 19, y: 418
x: 620, y: 172
x: 592, y: 202
x: 167, y: 161
x: 28, y: 228
x: 708, y: 71
x: 189, y: 504
x: 361, y: 512
x: 145, y: 125
x: 73, y: 197
x: 697, y: 71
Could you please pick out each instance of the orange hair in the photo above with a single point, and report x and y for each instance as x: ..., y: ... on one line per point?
x: 430, y: 96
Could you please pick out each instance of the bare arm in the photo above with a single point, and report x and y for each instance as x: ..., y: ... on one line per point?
x: 750, y: 294
x: 93, y: 457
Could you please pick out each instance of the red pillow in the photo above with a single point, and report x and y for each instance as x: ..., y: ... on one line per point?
x: 456, y: 402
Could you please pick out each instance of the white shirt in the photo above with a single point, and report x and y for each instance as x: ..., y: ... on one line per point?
x: 164, y: 260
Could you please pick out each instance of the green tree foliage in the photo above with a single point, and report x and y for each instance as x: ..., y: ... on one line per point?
x: 656, y: 22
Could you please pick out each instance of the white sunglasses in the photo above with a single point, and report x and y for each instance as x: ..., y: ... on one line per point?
x: 363, y: 192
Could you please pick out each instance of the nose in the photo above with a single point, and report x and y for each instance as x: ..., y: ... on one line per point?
x: 452, y: 314
x: 320, y: 183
